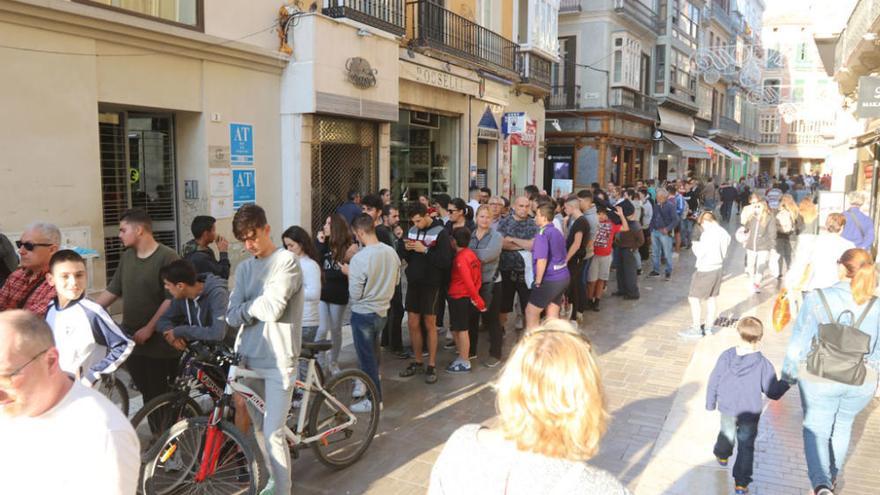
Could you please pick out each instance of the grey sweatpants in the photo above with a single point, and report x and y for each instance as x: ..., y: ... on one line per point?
x: 331, y: 321
x: 269, y: 427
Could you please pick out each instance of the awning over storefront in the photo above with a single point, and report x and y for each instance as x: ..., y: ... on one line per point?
x: 689, y: 148
x: 673, y: 121
x: 720, y: 149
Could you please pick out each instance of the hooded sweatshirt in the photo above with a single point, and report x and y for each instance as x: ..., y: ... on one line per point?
x: 202, y: 318
x: 267, y: 304
x: 711, y: 248
x: 738, y: 380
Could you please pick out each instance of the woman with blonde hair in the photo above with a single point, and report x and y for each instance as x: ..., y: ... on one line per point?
x: 761, y: 229
x: 830, y: 406
x: 551, y: 417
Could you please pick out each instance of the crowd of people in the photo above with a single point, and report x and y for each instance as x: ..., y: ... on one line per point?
x: 457, y: 268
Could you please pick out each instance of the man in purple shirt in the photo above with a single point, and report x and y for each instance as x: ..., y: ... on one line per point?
x: 551, y: 269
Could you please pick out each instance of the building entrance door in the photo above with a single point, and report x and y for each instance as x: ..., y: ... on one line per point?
x: 137, y: 171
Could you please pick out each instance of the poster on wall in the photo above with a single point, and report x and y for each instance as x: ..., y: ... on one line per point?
x: 220, y: 182
x: 241, y: 144
x: 244, y: 187
x: 222, y: 207
x: 561, y: 188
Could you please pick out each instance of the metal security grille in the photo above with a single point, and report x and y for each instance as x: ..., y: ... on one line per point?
x: 344, y: 158
x: 137, y: 170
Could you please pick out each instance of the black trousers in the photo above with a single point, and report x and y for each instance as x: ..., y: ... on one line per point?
x: 576, y: 293
x: 512, y: 284
x: 152, y: 376
x: 645, y: 249
x: 726, y: 208
x: 392, y: 334
x: 627, y: 272
x: 743, y: 430
x: 491, y: 294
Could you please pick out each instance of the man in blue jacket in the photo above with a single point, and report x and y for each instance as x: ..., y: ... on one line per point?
x: 663, y: 225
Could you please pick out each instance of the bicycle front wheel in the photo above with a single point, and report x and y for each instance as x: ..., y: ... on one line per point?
x: 160, y: 414
x: 344, y: 447
x: 173, y: 466
x: 114, y: 390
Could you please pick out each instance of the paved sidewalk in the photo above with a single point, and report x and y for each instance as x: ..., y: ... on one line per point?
x: 682, y: 461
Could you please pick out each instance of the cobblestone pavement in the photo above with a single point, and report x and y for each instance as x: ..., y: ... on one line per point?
x: 660, y: 437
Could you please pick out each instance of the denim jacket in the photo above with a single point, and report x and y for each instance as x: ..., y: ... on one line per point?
x: 813, y: 313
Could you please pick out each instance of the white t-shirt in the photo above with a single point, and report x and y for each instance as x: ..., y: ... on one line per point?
x: 82, y: 445
x: 827, y: 249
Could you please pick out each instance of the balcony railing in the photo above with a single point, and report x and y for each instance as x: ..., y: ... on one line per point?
x: 805, y: 139
x: 718, y: 13
x: 439, y: 29
x: 566, y: 97
x: 860, y: 21
x: 387, y: 15
x: 769, y: 138
x: 534, y: 71
x: 629, y: 99
x: 569, y: 6
x: 639, y: 12
x: 729, y: 125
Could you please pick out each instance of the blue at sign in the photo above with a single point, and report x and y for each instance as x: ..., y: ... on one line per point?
x: 241, y: 144
x: 244, y: 187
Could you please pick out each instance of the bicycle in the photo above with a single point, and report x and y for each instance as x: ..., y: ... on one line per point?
x: 210, y: 455
x: 113, y: 388
x: 199, y: 375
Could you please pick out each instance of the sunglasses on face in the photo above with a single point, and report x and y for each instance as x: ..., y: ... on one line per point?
x: 30, y: 246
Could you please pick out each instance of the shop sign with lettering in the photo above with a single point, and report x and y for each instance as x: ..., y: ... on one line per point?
x: 869, y: 97
x: 438, y: 78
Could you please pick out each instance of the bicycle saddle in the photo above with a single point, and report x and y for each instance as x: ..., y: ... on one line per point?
x: 317, y: 346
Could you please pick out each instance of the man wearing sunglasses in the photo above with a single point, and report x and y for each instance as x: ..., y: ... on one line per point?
x: 27, y: 287
x: 57, y: 425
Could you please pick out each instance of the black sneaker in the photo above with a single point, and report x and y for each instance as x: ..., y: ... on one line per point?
x: 414, y: 368
x: 666, y: 277
x: 653, y: 274
x: 430, y: 375
x: 403, y: 354
x: 595, y: 305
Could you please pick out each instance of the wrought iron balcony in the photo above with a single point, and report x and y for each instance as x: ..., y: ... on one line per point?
x: 723, y: 18
x: 387, y: 15
x: 639, y: 12
x: 534, y: 72
x: 436, y: 28
x: 628, y: 99
x: 570, y: 6
x: 566, y: 97
x: 770, y: 138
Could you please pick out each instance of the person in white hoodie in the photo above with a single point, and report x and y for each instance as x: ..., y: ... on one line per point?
x: 710, y: 248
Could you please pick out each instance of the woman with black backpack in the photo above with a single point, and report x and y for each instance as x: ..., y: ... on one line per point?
x: 834, y: 358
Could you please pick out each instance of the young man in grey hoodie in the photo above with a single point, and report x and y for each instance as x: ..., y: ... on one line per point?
x: 373, y: 274
x: 267, y: 304
x: 198, y: 307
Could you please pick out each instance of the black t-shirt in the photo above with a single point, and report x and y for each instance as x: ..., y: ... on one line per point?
x: 334, y: 288
x: 583, y: 226
x: 385, y: 235
x: 693, y: 201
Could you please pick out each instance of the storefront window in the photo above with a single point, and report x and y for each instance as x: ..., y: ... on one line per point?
x: 186, y: 12
x: 424, y: 155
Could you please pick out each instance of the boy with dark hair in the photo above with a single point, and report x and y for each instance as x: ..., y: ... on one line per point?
x: 267, y: 304
x: 741, y: 375
x: 373, y: 273
x: 153, y: 363
x: 485, y: 195
x: 198, y: 250
x: 90, y: 344
x: 198, y: 310
x: 427, y: 251
x: 373, y: 206
x: 464, y: 291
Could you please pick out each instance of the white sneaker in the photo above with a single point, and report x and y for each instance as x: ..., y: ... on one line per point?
x: 334, y: 369
x: 360, y: 389
x: 363, y: 406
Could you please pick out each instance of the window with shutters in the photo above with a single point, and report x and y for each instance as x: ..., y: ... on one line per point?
x: 627, y: 61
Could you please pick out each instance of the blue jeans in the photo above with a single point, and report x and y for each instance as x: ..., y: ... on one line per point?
x: 661, y: 246
x: 829, y: 411
x: 742, y: 432
x: 687, y: 226
x: 366, y: 330
x: 709, y: 205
